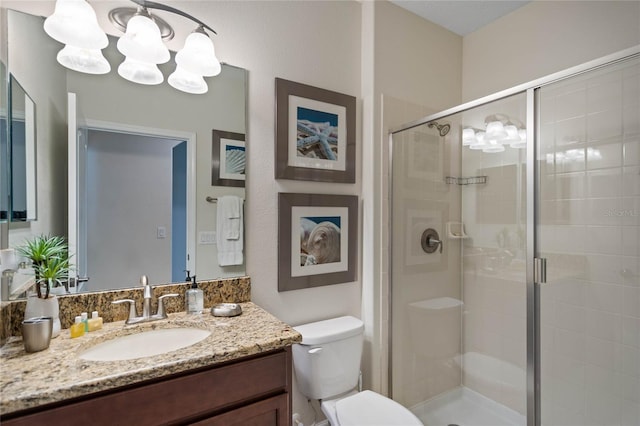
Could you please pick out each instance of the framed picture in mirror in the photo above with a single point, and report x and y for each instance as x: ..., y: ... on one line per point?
x: 317, y: 240
x: 228, y: 159
x: 315, y: 133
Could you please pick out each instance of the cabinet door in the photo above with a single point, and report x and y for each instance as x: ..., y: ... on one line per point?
x: 268, y: 412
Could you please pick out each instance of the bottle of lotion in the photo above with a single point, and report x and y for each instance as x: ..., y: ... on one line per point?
x: 194, y: 298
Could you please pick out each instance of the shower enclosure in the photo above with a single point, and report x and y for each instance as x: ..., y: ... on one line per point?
x: 515, y: 254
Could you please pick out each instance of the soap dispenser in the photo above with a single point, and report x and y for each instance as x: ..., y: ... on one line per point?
x: 194, y: 298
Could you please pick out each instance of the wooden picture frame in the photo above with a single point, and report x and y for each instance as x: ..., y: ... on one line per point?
x: 317, y: 240
x: 228, y: 159
x: 315, y: 134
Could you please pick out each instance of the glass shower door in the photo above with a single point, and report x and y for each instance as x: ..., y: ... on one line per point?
x: 458, y: 308
x: 588, y: 229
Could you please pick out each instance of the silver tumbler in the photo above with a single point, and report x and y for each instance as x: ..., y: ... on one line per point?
x: 36, y: 333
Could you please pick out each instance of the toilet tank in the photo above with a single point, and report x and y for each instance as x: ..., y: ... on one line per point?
x: 327, y: 362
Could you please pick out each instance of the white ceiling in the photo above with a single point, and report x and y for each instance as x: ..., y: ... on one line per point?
x: 461, y: 17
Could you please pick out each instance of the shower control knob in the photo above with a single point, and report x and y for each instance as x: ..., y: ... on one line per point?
x: 430, y: 241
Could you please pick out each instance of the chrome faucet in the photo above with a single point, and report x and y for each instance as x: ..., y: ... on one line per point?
x: 147, y: 295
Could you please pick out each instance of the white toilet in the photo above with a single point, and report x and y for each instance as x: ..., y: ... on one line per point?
x: 327, y: 367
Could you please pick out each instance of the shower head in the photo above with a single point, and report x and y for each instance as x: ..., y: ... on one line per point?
x: 443, y: 129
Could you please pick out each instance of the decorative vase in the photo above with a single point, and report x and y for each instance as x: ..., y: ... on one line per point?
x: 37, y: 307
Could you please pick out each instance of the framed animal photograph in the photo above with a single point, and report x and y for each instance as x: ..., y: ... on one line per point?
x: 315, y: 133
x: 317, y: 240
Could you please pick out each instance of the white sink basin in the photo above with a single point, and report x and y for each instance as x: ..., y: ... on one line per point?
x: 144, y: 344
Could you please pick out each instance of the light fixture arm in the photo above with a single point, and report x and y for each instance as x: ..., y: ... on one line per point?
x: 159, y: 6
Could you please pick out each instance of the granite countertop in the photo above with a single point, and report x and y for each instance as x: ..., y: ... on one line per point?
x: 57, y: 373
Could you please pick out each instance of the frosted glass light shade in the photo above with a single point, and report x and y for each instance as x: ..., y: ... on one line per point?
x: 479, y: 142
x: 198, y: 56
x: 493, y: 146
x: 495, y: 131
x: 90, y: 61
x: 142, y: 41
x: 74, y: 23
x: 523, y: 139
x: 512, y: 134
x: 468, y: 137
x: 188, y: 82
x: 140, y: 72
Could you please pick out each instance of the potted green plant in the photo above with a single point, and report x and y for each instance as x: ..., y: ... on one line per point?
x: 49, y: 257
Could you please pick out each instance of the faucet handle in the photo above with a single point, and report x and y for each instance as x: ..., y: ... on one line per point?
x: 132, y: 307
x: 161, y: 309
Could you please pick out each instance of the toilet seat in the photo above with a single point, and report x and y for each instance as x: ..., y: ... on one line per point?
x: 368, y: 408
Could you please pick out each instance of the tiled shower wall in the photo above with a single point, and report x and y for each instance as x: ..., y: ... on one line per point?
x: 494, y: 279
x: 426, y: 335
x: 493, y: 264
x: 590, y: 233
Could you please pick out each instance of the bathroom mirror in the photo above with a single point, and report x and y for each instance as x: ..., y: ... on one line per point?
x: 4, y: 147
x: 108, y: 103
x: 22, y: 144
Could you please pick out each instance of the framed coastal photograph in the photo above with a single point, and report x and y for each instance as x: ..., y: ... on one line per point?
x: 315, y: 133
x: 317, y: 240
x: 228, y: 159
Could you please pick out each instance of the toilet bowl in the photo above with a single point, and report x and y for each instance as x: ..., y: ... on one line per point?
x: 327, y: 367
x: 367, y: 408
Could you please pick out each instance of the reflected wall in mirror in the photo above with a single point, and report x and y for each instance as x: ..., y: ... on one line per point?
x: 114, y: 256
x: 22, y: 145
x: 4, y: 148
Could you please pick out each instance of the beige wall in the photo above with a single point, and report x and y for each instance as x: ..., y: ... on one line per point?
x: 45, y: 87
x: 544, y: 37
x: 416, y: 70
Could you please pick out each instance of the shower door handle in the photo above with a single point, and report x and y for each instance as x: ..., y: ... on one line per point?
x: 539, y: 270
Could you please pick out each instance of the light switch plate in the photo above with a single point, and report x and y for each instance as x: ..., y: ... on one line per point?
x: 207, y: 237
x: 161, y: 232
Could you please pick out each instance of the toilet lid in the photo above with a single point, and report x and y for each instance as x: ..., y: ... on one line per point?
x: 370, y: 408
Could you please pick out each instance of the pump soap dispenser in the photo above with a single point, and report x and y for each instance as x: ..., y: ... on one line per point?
x: 194, y: 298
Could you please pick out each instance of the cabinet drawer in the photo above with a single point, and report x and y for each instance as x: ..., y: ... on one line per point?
x: 174, y: 400
x: 268, y: 412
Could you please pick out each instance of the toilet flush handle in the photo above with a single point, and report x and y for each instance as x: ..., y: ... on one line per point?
x: 315, y: 350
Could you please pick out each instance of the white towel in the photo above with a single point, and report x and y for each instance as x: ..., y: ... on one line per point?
x: 230, y: 230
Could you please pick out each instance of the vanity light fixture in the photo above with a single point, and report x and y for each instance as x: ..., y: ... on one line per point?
x: 468, y: 136
x: 495, y: 131
x: 500, y: 130
x: 479, y: 143
x: 74, y: 23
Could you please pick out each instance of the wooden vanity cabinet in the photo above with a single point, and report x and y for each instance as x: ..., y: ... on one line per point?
x: 251, y: 391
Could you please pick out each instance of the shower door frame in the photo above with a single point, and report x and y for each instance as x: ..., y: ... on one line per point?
x: 532, y: 290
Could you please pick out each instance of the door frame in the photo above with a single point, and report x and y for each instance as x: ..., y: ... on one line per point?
x: 189, y: 137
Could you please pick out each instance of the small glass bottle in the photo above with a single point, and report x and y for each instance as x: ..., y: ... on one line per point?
x: 85, y: 319
x: 194, y: 298
x: 77, y: 329
x: 95, y: 322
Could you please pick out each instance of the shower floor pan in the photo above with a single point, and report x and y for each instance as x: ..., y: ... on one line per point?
x: 464, y: 407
